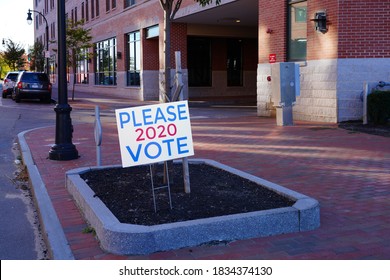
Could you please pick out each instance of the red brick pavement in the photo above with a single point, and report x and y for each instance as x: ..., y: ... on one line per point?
x: 348, y: 173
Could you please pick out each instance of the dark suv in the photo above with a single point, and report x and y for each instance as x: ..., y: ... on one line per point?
x: 32, y: 85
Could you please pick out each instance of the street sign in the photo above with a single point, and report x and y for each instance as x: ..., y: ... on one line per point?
x: 272, y: 58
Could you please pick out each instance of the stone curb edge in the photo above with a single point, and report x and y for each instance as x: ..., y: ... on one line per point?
x: 59, y: 248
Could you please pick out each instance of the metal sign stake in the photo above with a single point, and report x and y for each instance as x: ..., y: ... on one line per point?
x: 161, y: 187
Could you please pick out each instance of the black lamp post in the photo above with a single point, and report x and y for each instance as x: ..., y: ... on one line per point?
x: 63, y: 149
x: 29, y: 21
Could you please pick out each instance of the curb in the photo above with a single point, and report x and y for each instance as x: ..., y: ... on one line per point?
x: 53, y: 233
x: 130, y: 239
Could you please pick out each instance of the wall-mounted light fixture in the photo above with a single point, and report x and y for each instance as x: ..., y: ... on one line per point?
x: 119, y: 55
x: 320, y: 21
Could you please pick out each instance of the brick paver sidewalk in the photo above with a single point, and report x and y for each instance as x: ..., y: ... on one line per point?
x: 348, y: 173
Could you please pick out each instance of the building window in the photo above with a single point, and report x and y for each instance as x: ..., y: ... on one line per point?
x: 297, y: 30
x: 82, y: 69
x: 92, y: 9
x: 82, y: 11
x: 53, y: 69
x: 105, y: 62
x: 86, y: 10
x: 152, y: 32
x: 75, y: 14
x: 112, y: 3
x: 234, y: 63
x: 129, y: 3
x: 134, y: 59
x: 97, y: 8
x: 199, y: 62
x: 53, y: 30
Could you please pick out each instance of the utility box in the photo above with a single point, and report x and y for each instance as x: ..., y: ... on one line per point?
x: 285, y: 84
x: 285, y: 87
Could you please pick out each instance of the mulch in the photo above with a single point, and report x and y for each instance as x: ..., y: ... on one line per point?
x: 214, y: 192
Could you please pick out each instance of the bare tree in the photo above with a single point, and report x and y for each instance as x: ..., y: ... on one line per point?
x: 170, y: 8
x: 78, y: 41
x: 37, y: 57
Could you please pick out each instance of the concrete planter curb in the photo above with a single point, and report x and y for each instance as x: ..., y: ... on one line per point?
x: 129, y: 239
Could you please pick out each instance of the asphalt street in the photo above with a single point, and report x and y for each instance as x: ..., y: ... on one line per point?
x: 19, y: 226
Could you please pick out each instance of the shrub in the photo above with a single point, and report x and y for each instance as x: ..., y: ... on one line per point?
x: 378, y: 106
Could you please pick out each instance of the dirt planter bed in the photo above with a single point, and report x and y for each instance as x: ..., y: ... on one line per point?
x: 129, y: 239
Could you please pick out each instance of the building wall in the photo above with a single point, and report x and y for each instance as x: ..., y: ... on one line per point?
x: 319, y: 45
x: 318, y: 98
x: 354, y: 50
x: 351, y: 75
x: 272, y: 31
x: 364, y: 52
x: 318, y: 74
x: 364, y: 29
x: 118, y: 22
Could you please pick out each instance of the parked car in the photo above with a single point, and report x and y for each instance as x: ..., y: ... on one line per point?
x: 8, y: 83
x: 32, y: 85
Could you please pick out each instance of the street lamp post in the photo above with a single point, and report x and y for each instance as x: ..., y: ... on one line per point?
x: 29, y: 21
x: 63, y: 149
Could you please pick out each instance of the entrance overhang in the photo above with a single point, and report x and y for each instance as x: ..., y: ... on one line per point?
x: 242, y: 13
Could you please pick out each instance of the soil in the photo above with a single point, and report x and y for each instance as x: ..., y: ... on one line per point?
x: 358, y: 126
x: 214, y: 192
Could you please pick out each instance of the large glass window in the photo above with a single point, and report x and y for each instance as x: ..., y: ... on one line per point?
x: 297, y: 30
x: 105, y: 62
x: 234, y: 62
x: 134, y: 59
x: 199, y: 61
x: 82, y: 69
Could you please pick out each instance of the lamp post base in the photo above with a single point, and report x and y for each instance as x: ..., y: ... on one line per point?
x: 63, y: 152
x: 63, y: 149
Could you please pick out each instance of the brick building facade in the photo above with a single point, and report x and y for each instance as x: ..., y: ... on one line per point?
x: 225, y: 50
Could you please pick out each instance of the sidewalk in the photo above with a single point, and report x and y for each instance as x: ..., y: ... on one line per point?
x: 348, y: 173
